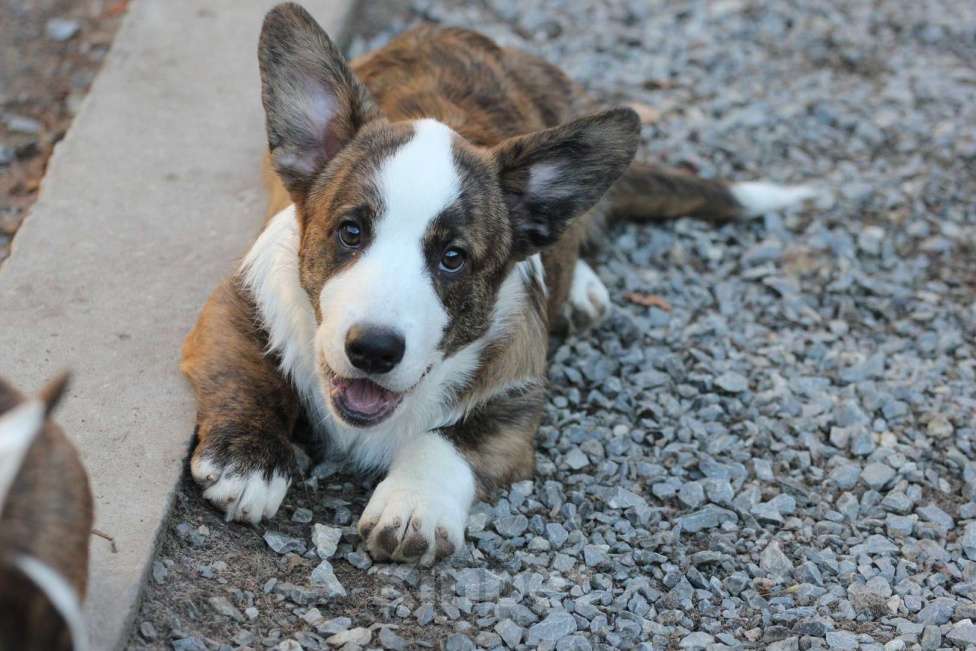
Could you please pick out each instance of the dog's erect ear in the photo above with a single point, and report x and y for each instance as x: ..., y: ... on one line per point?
x: 18, y: 429
x: 551, y: 176
x: 313, y: 103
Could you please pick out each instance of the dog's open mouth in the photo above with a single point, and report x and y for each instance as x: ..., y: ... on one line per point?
x: 362, y: 402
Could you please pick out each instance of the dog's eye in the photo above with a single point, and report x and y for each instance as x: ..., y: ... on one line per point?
x: 453, y: 259
x: 350, y: 234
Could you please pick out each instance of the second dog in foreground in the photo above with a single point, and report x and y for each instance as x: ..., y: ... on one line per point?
x: 429, y: 203
x: 45, y: 524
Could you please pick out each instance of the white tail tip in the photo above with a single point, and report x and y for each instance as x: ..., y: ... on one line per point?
x: 758, y: 198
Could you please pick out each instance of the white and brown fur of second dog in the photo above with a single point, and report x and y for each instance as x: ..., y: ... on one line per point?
x: 429, y: 202
x: 45, y: 525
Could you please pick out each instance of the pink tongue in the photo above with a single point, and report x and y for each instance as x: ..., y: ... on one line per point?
x: 366, y: 397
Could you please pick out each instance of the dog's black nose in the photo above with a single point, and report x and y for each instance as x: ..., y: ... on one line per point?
x: 374, y: 349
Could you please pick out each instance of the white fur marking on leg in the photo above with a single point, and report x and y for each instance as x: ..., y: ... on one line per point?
x: 247, y: 497
x: 758, y: 197
x: 18, y: 428
x: 589, y: 300
x: 429, y: 483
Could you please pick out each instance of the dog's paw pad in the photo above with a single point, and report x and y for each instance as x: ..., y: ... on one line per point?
x: 589, y: 300
x: 409, y: 526
x: 246, y: 496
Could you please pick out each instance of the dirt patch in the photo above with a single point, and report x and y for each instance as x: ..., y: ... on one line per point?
x: 50, y: 52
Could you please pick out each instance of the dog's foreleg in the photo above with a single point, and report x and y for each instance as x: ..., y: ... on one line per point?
x: 246, y: 410
x: 419, y: 511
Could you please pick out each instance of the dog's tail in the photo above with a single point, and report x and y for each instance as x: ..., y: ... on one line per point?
x: 648, y: 192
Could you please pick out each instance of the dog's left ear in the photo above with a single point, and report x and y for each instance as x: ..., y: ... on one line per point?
x: 313, y: 103
x: 551, y: 176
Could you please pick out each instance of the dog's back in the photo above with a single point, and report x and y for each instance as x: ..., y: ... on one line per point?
x: 45, y: 523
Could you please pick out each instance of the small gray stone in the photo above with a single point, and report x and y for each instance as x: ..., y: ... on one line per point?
x: 622, y: 498
x: 788, y: 644
x: 424, y: 614
x: 963, y: 635
x: 596, y: 555
x: 147, y: 631
x: 968, y: 541
x: 937, y: 516
x: 390, y: 640
x: 877, y: 475
x: 223, y: 606
x: 810, y: 629
x: 576, y: 459
x: 767, y: 513
x: 692, y: 495
x: 283, y: 544
x: 459, y: 642
x: 845, y: 475
x: 774, y: 561
x: 764, y: 469
x: 359, y: 560
x: 938, y: 611
x: 732, y: 382
x: 707, y: 518
x: 61, y: 29
x: 843, y: 640
x: 511, y: 526
x: 553, y: 628
x: 325, y: 539
x: 557, y: 534
x: 510, y: 632
x: 478, y: 584
x: 697, y: 640
x: 159, y: 572
x: 900, y: 526
x: 897, y: 502
x: 931, y: 638
x: 358, y: 636
x: 333, y: 626
x: 324, y: 576
x: 862, y: 443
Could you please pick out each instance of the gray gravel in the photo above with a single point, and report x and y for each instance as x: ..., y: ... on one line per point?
x: 783, y: 460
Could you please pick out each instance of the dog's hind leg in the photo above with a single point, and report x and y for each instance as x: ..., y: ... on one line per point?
x: 589, y: 301
x: 246, y: 410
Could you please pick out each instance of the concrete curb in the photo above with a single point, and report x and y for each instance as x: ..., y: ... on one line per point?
x: 147, y: 203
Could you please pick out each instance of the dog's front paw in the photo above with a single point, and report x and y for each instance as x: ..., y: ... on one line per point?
x: 589, y: 300
x: 246, y: 490
x: 411, y: 523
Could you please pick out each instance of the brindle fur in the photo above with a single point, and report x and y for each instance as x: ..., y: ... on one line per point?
x: 46, y: 516
x: 500, y: 101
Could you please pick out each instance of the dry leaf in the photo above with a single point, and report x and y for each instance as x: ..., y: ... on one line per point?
x: 648, y: 300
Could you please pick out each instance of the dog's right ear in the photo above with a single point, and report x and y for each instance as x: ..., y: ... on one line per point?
x: 18, y: 429
x: 313, y: 103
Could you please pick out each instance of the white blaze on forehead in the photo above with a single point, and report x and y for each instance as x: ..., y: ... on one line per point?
x: 420, y: 179
x: 390, y: 284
